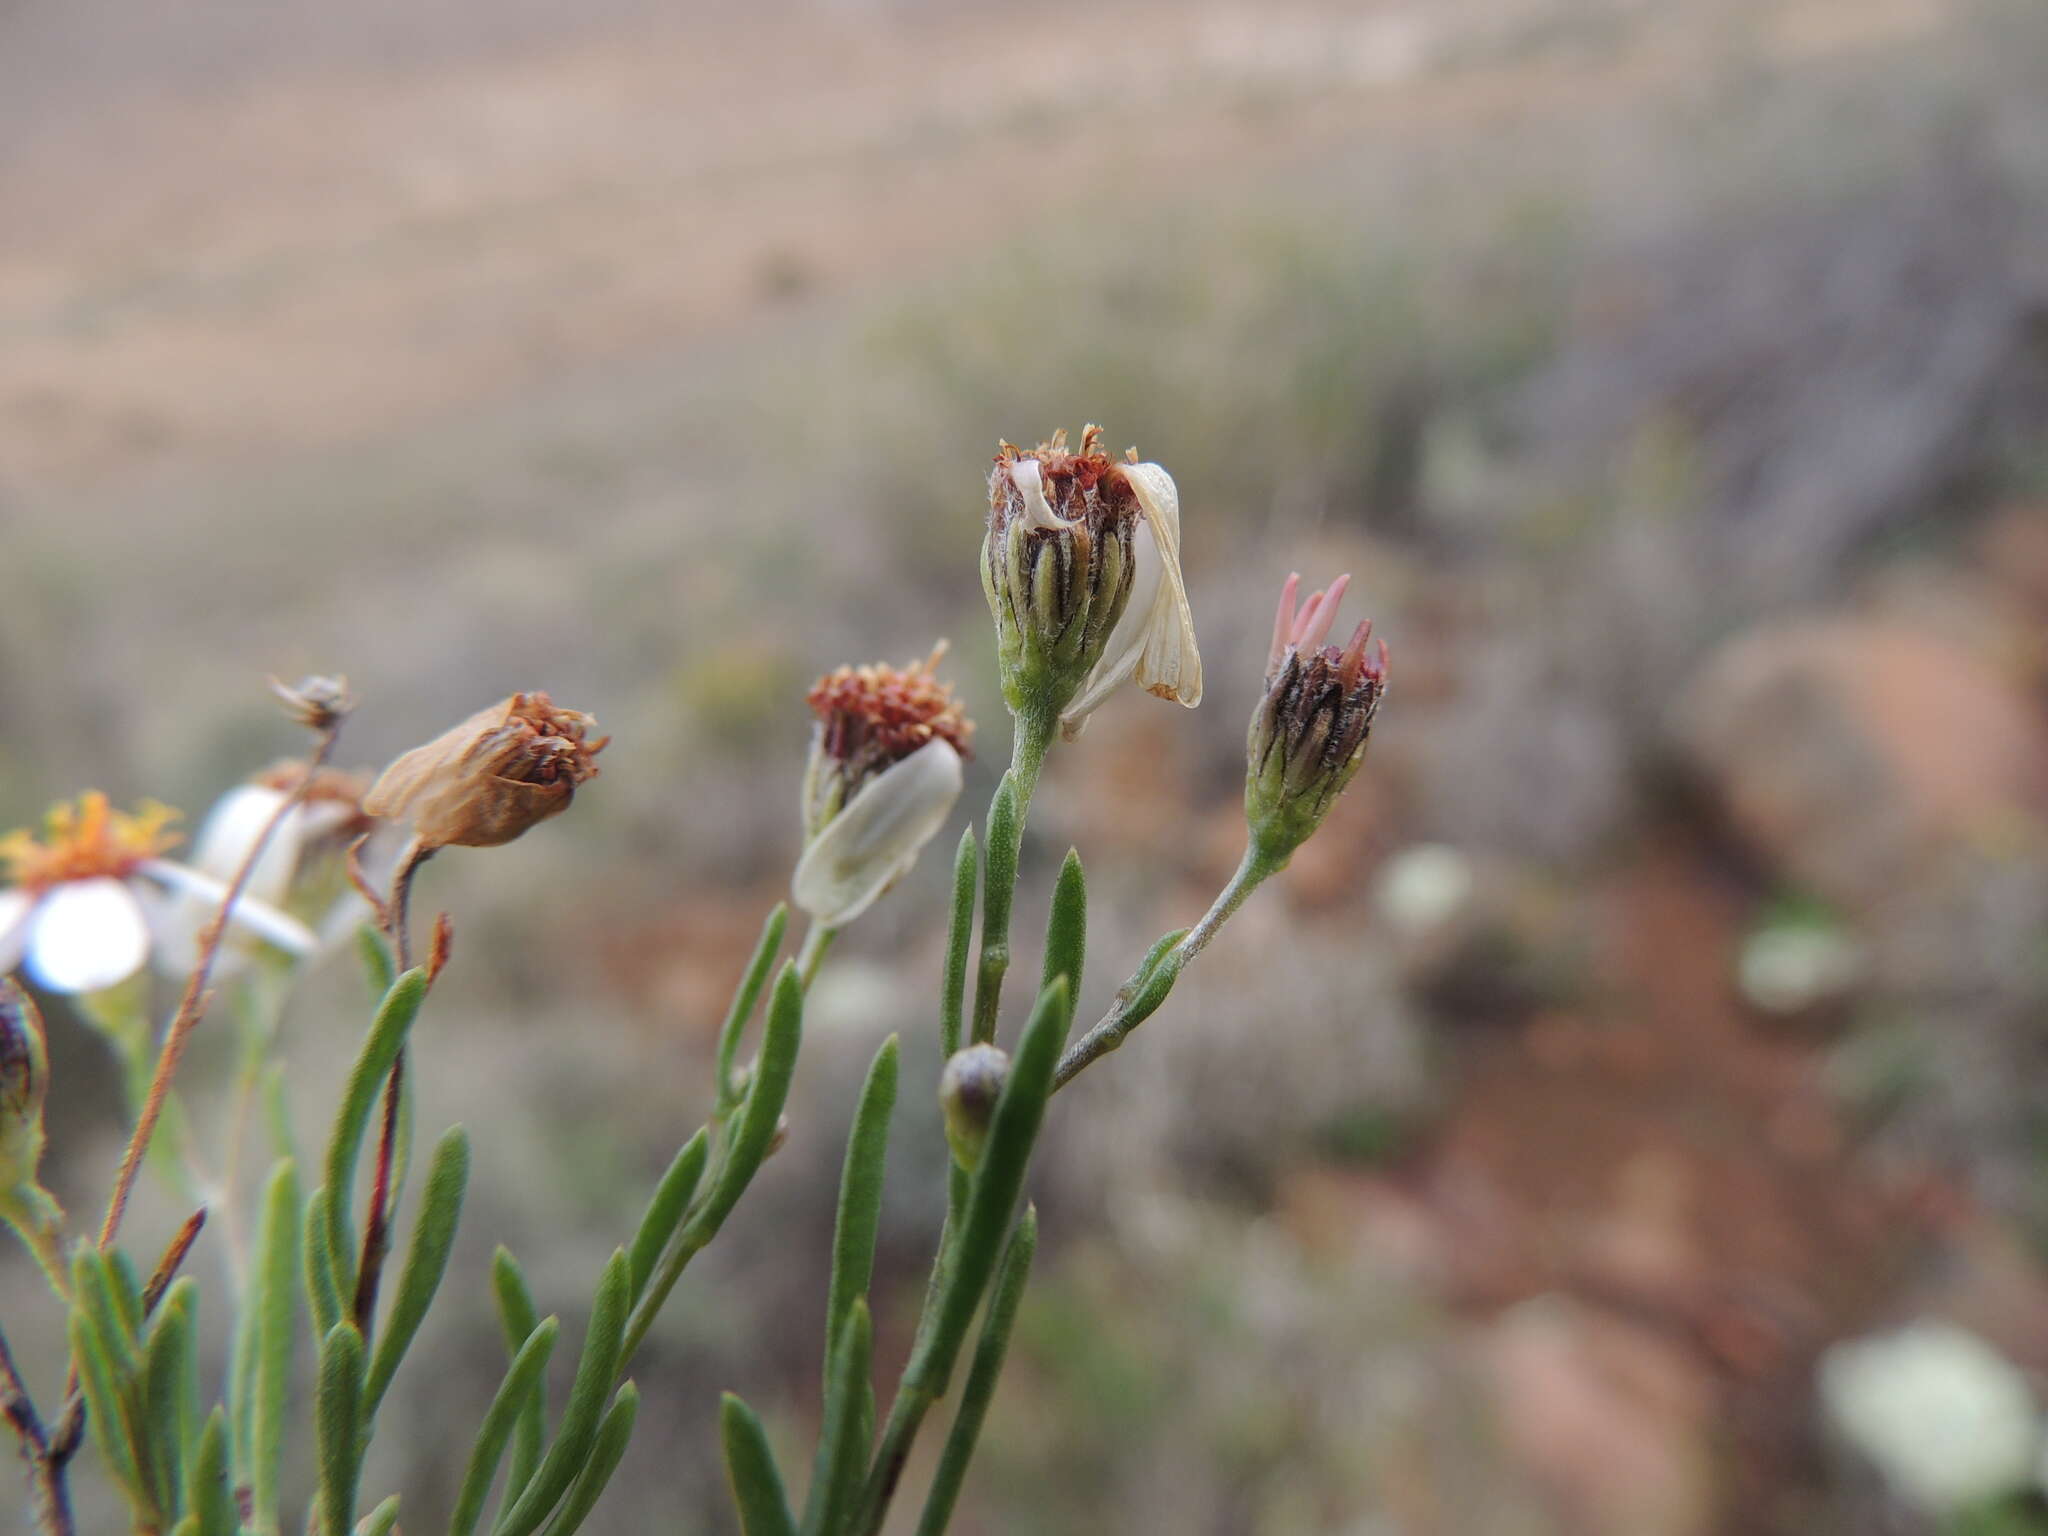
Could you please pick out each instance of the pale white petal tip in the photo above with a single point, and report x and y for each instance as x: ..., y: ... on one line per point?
x: 259, y: 917
x: 87, y: 935
x: 870, y: 844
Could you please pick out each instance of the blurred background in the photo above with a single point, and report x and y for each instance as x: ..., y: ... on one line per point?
x: 1656, y: 1029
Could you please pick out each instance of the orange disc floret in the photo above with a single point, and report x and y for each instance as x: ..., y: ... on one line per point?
x: 87, y: 841
x: 1075, y: 483
x: 885, y: 713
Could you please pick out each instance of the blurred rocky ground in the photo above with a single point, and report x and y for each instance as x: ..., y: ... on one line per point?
x: 1663, y: 1010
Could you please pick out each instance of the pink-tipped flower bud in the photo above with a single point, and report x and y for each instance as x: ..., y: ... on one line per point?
x: 968, y: 1091
x: 1309, y: 731
x: 24, y: 1080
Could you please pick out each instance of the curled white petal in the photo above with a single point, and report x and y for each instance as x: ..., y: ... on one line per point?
x: 1030, y: 482
x: 85, y: 935
x: 869, y: 845
x: 15, y: 908
x: 259, y: 917
x: 1153, y: 643
x: 231, y: 829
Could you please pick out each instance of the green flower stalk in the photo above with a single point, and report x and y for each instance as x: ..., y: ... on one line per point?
x: 1309, y: 731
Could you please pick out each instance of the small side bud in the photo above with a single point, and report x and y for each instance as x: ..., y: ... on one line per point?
x: 317, y: 703
x: 485, y: 782
x: 1309, y: 731
x: 24, y: 1081
x: 968, y: 1091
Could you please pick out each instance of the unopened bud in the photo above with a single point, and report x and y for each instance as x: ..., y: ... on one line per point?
x: 24, y: 1080
x: 1081, y: 568
x: 501, y: 771
x: 968, y: 1091
x: 1309, y: 731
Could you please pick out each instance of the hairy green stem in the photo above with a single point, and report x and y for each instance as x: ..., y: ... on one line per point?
x: 1005, y: 837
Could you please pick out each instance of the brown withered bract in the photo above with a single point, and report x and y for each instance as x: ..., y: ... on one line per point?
x: 501, y: 771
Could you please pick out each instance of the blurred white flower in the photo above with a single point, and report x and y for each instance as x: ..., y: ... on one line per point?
x: 322, y: 823
x: 91, y: 896
x: 1791, y: 967
x: 1424, y: 887
x: 1949, y: 1421
x: 1153, y: 643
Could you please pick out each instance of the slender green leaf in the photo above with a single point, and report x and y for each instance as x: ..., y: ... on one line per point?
x: 1155, y: 979
x: 107, y: 1415
x: 271, y: 1303
x: 277, y: 1114
x: 998, y: 1183
x: 750, y: 1465
x: 337, y: 1424
x: 860, y: 1194
x: 381, y: 1520
x: 1066, y: 932
x: 169, y: 1395
x: 126, y: 1292
x: 520, y: 1387
x: 665, y: 1210
x: 842, y: 1441
x: 612, y: 1437
x: 189, y: 1526
x: 596, y: 1371
x: 93, y: 1288
x: 998, y: 889
x: 959, y: 940
x: 743, y: 1000
x: 388, y: 1030
x: 432, y: 1238
x: 208, y: 1498
x: 519, y: 1317
x: 982, y: 1374
x: 762, y: 1110
x: 323, y: 1289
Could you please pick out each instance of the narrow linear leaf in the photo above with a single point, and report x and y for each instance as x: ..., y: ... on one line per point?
x: 425, y: 1263
x: 860, y: 1194
x: 998, y: 1183
x: 323, y: 1288
x: 595, y: 1372
x: 518, y: 1316
x: 1066, y: 932
x: 613, y: 1435
x: 381, y: 1046
x: 520, y: 1386
x: 1155, y: 980
x: 94, y: 1288
x: 337, y: 1424
x: 982, y: 1375
x: 272, y: 1306
x: 842, y: 1443
x: 762, y: 1109
x: 208, y: 1499
x: 959, y: 940
x: 750, y: 1466
x: 743, y: 1000
x: 381, y: 1520
x: 105, y: 1413
x: 169, y: 1396
x: 665, y: 1210
x: 998, y: 890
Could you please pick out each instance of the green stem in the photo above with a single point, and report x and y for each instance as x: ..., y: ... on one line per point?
x: 817, y: 940
x: 1005, y: 837
x: 1134, y: 1003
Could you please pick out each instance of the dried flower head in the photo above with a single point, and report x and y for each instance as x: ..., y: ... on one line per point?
x: 318, y: 703
x: 88, y: 898
x: 24, y: 1080
x: 487, y: 780
x: 884, y: 772
x: 1081, y: 567
x: 1309, y: 731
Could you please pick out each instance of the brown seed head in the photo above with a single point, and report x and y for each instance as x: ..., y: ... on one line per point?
x: 1087, y: 486
x: 870, y: 718
x: 317, y: 703
x: 487, y: 780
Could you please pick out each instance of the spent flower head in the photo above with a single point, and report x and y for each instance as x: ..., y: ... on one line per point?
x: 90, y: 896
x: 486, y: 781
x: 1309, y: 730
x: 883, y: 774
x: 1081, y: 568
x: 318, y: 703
